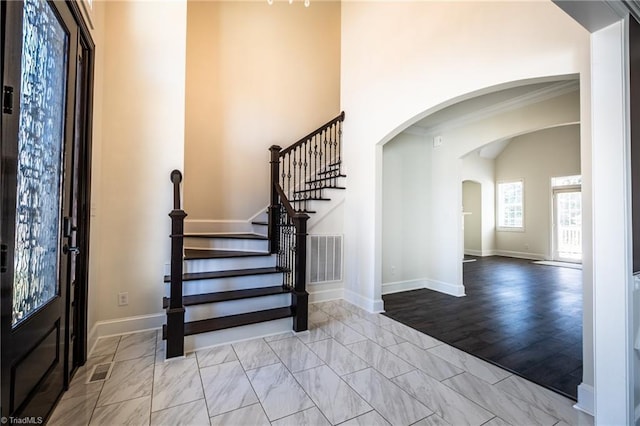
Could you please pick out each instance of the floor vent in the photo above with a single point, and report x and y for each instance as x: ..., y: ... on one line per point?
x: 326, y: 258
x: 100, y: 372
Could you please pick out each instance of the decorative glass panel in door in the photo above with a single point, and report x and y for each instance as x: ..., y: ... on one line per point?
x: 40, y: 159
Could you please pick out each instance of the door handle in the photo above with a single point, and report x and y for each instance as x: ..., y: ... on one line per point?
x: 3, y: 257
x: 66, y: 249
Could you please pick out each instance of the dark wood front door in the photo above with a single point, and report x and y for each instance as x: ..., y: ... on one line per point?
x: 43, y: 173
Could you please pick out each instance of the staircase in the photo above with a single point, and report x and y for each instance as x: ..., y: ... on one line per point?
x: 253, y: 283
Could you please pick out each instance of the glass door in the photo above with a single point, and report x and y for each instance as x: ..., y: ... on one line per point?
x: 567, y: 225
x: 39, y: 175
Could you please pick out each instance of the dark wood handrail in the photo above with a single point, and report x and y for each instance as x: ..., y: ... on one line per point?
x: 176, y: 178
x: 318, y: 130
x: 287, y: 205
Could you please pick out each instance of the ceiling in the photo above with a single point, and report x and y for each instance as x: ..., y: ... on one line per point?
x: 489, y: 104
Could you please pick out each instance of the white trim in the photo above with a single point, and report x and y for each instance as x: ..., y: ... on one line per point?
x: 126, y: 325
x: 398, y: 286
x: 365, y: 303
x: 548, y: 92
x: 586, y: 398
x: 520, y: 254
x: 456, y: 290
x: 325, y: 295
x: 612, y: 261
x: 481, y: 253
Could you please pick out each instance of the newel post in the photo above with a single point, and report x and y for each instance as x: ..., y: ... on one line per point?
x: 175, y: 311
x: 300, y: 297
x: 274, y: 203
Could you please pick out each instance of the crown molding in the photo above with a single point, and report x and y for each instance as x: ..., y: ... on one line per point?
x: 543, y: 94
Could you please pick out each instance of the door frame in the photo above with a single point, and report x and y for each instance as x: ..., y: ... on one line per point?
x: 78, y: 352
x: 84, y: 190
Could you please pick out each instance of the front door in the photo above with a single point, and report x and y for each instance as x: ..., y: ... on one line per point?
x: 41, y: 170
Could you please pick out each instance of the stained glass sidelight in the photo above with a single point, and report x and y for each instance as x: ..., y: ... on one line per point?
x: 40, y: 156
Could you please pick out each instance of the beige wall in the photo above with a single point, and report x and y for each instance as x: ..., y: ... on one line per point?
x: 472, y: 211
x: 257, y: 75
x: 482, y: 170
x: 138, y: 140
x: 536, y: 158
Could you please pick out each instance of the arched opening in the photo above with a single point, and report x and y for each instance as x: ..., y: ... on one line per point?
x: 472, y: 218
x: 442, y: 179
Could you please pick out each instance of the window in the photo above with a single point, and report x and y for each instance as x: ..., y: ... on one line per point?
x: 575, y: 180
x: 511, y: 205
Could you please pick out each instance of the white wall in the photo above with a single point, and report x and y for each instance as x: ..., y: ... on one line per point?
x: 257, y: 75
x: 139, y: 108
x: 406, y: 210
x: 391, y: 81
x: 442, y: 237
x: 481, y: 170
x: 472, y: 216
x: 536, y: 158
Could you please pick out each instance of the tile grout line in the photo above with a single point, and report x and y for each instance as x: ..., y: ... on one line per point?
x: 299, y: 384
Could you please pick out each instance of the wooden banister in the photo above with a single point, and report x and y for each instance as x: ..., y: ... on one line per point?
x: 175, y: 311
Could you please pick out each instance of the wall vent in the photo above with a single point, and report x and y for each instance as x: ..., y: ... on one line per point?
x: 326, y: 258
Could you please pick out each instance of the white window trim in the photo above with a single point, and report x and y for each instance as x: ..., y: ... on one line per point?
x: 509, y: 228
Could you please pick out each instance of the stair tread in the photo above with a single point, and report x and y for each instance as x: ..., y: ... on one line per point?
x: 318, y: 189
x: 221, y: 323
x: 309, y: 199
x: 309, y: 182
x: 260, y: 223
x: 226, y: 274
x: 193, y: 254
x: 225, y: 296
x: 247, y: 236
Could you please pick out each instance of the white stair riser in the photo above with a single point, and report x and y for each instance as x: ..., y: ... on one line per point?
x: 234, y: 307
x: 236, y: 334
x: 226, y: 244
x: 228, y: 264
x: 227, y: 284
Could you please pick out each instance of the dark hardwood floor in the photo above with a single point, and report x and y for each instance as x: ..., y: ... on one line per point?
x: 524, y: 317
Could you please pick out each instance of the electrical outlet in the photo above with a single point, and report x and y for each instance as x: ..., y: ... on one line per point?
x: 123, y: 299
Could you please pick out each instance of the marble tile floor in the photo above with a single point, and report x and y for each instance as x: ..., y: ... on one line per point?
x: 351, y: 368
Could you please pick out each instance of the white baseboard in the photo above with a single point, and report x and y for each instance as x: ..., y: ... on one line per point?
x: 325, y: 295
x: 520, y: 255
x: 472, y: 252
x: 586, y: 399
x: 365, y: 303
x: 125, y: 326
x: 446, y: 288
x: 398, y: 286
x: 481, y: 253
x: 440, y: 286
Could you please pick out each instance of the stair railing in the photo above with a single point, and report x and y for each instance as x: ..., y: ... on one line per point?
x: 175, y: 311
x: 298, y: 175
x: 312, y: 163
